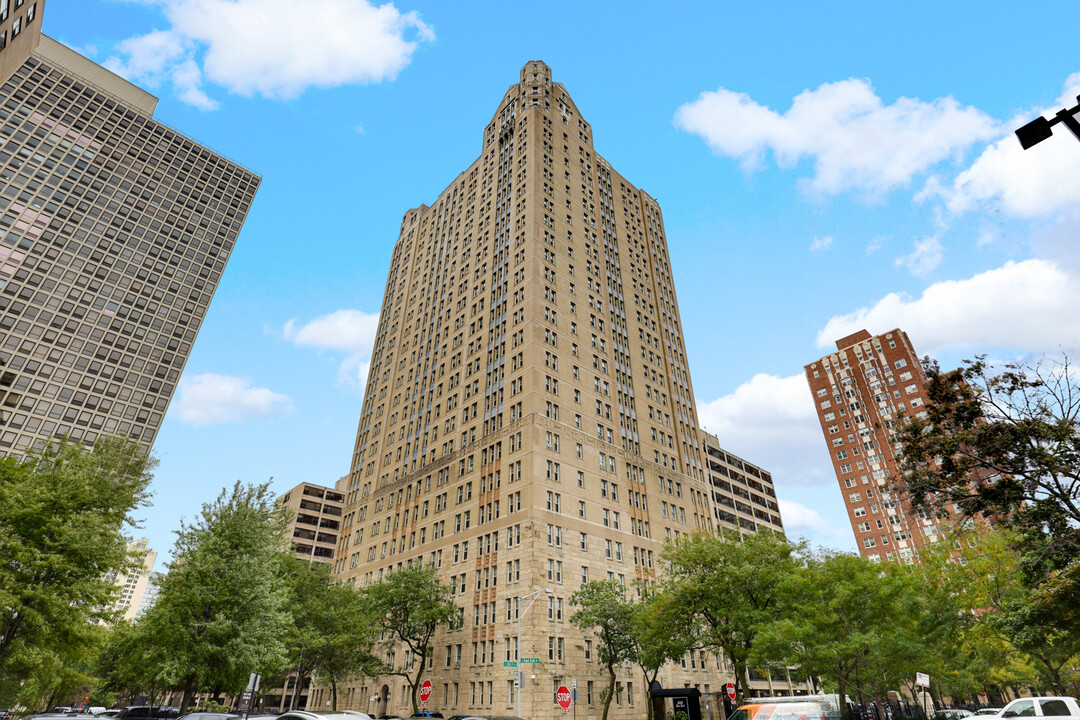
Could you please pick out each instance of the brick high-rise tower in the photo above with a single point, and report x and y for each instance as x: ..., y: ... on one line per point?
x: 114, y: 232
x: 858, y: 391
x: 529, y: 421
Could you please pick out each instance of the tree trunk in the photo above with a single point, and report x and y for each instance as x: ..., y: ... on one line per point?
x: 414, y: 686
x: 610, y: 690
x: 189, y: 693
x: 333, y: 693
x: 1055, y: 676
x: 841, y: 688
x: 740, y: 678
x: 648, y: 692
x: 296, y: 685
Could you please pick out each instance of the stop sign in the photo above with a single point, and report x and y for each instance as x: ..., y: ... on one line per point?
x: 562, y: 695
x: 730, y: 688
x: 425, y: 691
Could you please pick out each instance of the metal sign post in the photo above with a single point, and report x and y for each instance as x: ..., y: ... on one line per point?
x: 923, y: 681
x: 247, y: 698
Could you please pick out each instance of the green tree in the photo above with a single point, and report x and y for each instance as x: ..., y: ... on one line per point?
x: 662, y: 632
x: 409, y: 606
x: 968, y: 584
x: 1004, y: 445
x: 609, y: 616
x: 122, y: 665
x: 62, y: 515
x: 854, y: 624
x: 731, y: 589
x: 221, y: 610
x: 331, y: 632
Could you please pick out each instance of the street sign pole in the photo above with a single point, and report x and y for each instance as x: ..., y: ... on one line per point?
x: 247, y: 698
x: 521, y: 614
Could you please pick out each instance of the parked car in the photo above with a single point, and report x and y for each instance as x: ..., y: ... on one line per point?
x: 319, y: 715
x: 209, y: 716
x: 5, y: 714
x: 988, y: 711
x: 1056, y: 708
x: 149, y: 712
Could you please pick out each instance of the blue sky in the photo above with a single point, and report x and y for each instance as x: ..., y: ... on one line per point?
x: 822, y: 167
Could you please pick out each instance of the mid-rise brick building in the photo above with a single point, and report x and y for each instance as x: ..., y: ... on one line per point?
x: 859, y: 391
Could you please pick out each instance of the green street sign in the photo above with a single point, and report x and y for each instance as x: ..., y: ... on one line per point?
x: 509, y: 664
x: 530, y: 660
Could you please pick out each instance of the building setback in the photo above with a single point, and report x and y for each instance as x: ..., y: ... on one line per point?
x: 114, y: 232
x: 528, y: 422
x: 858, y: 392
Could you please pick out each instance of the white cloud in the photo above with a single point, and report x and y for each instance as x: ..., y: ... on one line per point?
x: 1026, y: 183
x: 797, y: 516
x: 770, y: 421
x: 348, y: 331
x: 1030, y: 305
x: 273, y: 48
x: 924, y: 258
x: 210, y: 398
x: 821, y: 243
x: 876, y: 244
x: 856, y: 141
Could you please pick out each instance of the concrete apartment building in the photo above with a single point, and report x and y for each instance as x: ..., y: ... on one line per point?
x: 114, y: 232
x: 743, y: 496
x: 529, y: 420
x: 858, y: 392
x: 316, y: 522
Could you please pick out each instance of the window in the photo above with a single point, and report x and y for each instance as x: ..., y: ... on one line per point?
x: 31, y: 11
x: 1023, y: 708
x: 16, y: 27
x: 1054, y: 707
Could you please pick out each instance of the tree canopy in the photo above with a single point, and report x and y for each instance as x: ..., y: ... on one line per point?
x: 63, y: 512
x: 410, y: 605
x: 221, y: 610
x: 1005, y: 446
x: 605, y: 612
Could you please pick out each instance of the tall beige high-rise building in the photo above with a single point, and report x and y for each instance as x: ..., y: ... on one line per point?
x: 114, y: 233
x: 135, y: 583
x: 529, y: 419
x: 859, y: 391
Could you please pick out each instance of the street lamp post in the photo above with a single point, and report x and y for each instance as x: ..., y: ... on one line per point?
x: 1040, y: 128
x: 521, y: 614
